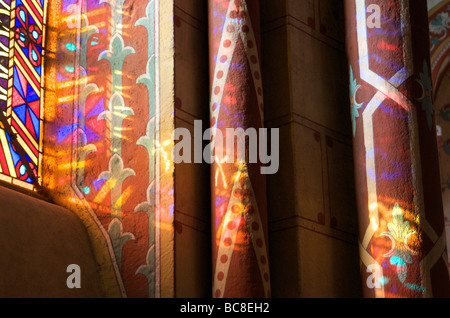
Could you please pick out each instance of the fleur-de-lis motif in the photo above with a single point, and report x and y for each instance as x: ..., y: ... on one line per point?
x: 354, y: 106
x: 116, y: 56
x: 149, y: 208
x: 400, y: 231
x: 426, y: 98
x: 116, y: 13
x: 86, y: 33
x: 118, y: 238
x: 116, y: 170
x: 148, y: 80
x: 148, y: 270
x: 115, y: 176
x: 115, y: 115
x: 400, y: 254
x: 148, y: 142
x: 148, y: 22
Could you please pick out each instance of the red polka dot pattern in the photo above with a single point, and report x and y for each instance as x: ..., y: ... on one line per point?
x: 242, y: 213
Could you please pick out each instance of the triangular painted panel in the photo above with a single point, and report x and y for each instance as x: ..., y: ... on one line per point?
x: 91, y: 135
x: 3, y: 163
x: 14, y: 155
x: 35, y: 107
x: 31, y: 20
x: 26, y: 52
x: 29, y: 124
x: 17, y: 99
x: 97, y: 109
x: 31, y: 94
x: 21, y: 112
x: 18, y: 82
x: 36, y: 123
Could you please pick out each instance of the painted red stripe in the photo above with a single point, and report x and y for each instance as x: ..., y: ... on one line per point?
x: 27, y: 69
x: 387, y: 46
x: 25, y: 138
x: 3, y: 161
x: 36, y: 12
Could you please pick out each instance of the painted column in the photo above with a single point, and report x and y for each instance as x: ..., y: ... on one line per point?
x: 402, y: 239
x: 239, y: 216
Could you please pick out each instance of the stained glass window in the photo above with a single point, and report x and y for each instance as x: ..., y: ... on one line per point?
x: 22, y: 34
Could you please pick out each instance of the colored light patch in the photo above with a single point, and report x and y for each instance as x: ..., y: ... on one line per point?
x: 91, y: 135
x: 98, y: 183
x: 395, y: 260
x: 71, y: 47
x: 384, y: 280
x: 99, y: 107
x: 65, y: 131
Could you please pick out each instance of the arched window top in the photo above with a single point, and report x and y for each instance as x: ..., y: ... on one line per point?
x: 22, y: 34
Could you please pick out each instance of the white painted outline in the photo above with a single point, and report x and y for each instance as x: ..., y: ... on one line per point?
x: 388, y: 89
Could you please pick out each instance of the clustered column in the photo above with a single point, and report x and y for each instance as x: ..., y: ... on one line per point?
x: 402, y: 238
x: 239, y: 216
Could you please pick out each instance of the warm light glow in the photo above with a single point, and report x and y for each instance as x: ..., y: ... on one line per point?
x: 220, y: 170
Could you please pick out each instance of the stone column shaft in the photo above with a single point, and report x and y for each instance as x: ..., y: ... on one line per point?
x: 401, y: 227
x: 239, y: 217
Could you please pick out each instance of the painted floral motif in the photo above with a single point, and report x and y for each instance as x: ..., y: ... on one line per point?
x: 401, y: 254
x: 445, y: 112
x: 353, y: 104
x: 28, y: 35
x: 400, y: 231
x: 427, y: 87
x: 439, y: 27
